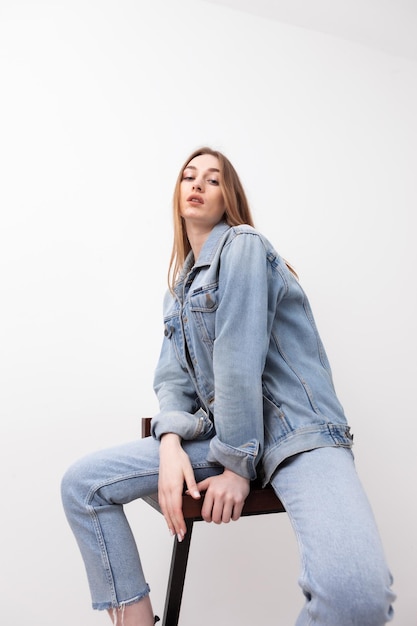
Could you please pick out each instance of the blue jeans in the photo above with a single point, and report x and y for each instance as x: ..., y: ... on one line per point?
x: 344, y: 576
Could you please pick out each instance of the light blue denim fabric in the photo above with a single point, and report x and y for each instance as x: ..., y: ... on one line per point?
x: 243, y: 378
x: 344, y: 576
x: 94, y: 490
x: 241, y: 349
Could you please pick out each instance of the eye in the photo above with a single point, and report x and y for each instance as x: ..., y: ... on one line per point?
x: 188, y: 177
x: 213, y: 181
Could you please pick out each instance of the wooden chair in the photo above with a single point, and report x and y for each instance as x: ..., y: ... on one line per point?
x: 259, y: 502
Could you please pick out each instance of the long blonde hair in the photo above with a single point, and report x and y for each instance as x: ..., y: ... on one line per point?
x: 237, y: 208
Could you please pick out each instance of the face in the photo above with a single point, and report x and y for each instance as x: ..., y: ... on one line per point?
x: 201, y: 197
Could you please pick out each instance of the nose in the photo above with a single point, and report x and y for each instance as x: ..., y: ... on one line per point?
x: 197, y: 186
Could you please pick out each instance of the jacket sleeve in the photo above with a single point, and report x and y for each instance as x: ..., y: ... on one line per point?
x: 240, y: 350
x: 179, y: 405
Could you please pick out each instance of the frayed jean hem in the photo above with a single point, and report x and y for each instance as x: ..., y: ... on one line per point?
x: 103, y: 606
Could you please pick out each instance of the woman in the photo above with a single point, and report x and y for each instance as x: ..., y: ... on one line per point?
x: 245, y: 390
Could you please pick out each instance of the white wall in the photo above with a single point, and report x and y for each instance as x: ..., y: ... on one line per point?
x: 101, y: 102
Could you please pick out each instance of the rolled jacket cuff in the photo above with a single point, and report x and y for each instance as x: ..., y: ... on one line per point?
x: 241, y: 460
x: 186, y: 425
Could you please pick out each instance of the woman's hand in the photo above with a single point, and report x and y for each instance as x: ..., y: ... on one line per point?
x: 174, y: 469
x: 224, y: 498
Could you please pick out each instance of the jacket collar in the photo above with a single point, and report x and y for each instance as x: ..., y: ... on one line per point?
x: 211, y: 244
x: 207, y: 252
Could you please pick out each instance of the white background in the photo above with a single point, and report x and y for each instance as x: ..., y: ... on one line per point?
x: 101, y: 101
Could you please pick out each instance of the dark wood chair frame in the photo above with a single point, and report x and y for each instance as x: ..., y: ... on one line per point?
x: 260, y: 501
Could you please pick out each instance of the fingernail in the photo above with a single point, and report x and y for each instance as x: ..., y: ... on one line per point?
x: 196, y: 494
x: 171, y: 532
x: 179, y: 537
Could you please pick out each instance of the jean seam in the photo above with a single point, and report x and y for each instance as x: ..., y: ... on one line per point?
x: 103, y: 552
x: 97, y: 526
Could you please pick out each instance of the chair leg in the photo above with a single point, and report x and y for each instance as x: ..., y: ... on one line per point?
x: 177, y: 577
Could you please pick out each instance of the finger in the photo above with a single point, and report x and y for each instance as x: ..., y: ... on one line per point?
x: 206, y: 509
x: 171, y: 507
x: 237, y: 510
x: 203, y: 485
x: 192, y: 488
x: 165, y: 513
x: 179, y: 525
x: 222, y: 511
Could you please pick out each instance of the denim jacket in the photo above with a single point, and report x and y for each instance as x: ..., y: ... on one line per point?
x: 242, y: 362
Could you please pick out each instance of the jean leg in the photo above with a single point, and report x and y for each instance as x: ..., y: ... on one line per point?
x: 344, y: 575
x: 94, y: 490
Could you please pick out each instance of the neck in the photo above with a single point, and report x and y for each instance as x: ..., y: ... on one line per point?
x: 197, y: 235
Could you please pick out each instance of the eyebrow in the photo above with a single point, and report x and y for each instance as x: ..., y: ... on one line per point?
x: 210, y: 169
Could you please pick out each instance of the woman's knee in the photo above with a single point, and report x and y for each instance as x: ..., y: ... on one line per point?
x: 347, y: 598
x: 74, y: 485
x: 370, y: 603
x: 370, y: 597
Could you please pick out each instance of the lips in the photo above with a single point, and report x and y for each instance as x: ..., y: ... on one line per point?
x: 195, y: 199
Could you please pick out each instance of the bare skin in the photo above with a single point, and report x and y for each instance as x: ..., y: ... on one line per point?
x: 137, y: 614
x: 202, y: 204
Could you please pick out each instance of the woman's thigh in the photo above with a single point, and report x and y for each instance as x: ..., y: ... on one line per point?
x: 129, y: 471
x: 344, y: 574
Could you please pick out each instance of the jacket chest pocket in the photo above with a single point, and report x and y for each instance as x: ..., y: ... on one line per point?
x: 172, y: 332
x: 203, y: 306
